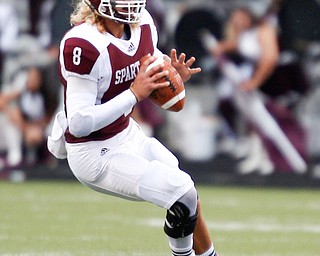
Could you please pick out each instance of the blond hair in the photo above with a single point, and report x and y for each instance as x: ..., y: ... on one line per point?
x: 82, y: 13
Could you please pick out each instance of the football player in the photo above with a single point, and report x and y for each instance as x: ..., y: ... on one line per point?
x: 106, y: 149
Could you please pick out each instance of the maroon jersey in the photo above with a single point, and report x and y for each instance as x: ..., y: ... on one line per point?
x: 111, y: 62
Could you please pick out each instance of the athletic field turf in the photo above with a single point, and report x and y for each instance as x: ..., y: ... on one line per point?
x: 65, y: 218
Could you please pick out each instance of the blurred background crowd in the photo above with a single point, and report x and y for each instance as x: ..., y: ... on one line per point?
x: 256, y: 104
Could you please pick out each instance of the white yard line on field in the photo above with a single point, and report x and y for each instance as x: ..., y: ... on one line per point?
x: 242, y: 226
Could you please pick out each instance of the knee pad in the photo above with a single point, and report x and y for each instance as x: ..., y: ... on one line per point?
x: 178, y: 222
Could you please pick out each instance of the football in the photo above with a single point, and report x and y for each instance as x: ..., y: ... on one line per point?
x: 170, y: 98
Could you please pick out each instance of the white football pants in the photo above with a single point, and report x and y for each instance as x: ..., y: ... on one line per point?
x: 130, y: 165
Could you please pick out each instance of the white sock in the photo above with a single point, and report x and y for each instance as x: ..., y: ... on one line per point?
x: 181, y: 246
x: 209, y: 252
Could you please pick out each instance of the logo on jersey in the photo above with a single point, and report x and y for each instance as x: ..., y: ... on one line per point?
x: 104, y: 151
x: 127, y: 73
x: 131, y: 47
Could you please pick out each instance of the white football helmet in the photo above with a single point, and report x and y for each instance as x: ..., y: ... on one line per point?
x: 124, y: 11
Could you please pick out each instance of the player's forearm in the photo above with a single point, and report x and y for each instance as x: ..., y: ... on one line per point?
x: 110, y: 111
x: 88, y: 119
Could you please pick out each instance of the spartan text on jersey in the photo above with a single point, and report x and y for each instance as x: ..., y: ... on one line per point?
x: 127, y: 73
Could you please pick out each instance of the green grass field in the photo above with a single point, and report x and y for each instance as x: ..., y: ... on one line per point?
x: 66, y: 218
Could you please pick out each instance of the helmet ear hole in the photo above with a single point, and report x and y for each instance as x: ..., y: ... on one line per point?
x: 103, y: 9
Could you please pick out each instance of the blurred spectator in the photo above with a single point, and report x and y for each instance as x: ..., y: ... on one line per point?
x: 42, y: 25
x: 31, y: 88
x: 9, y: 29
x: 27, y: 114
x: 38, y: 21
x: 33, y: 46
x: 254, y: 42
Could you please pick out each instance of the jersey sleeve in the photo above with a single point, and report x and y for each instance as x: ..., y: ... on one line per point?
x: 80, y: 57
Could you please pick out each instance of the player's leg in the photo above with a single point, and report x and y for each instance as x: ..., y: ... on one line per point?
x: 180, y: 223
x: 202, y: 241
x: 133, y: 177
x: 121, y: 172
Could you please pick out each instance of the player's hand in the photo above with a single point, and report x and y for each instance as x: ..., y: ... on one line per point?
x: 182, y: 66
x: 146, y: 81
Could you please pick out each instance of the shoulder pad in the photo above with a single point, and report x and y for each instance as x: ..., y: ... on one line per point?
x: 79, y: 55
